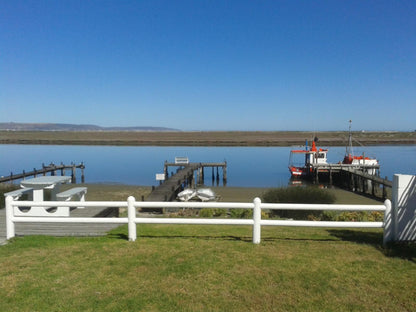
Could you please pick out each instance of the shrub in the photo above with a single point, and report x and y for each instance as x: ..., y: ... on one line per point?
x: 298, y: 195
x: 241, y: 213
x: 301, y: 195
x: 212, y: 212
x: 360, y: 216
x: 5, y: 188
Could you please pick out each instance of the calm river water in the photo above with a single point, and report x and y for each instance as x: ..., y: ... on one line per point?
x: 247, y: 166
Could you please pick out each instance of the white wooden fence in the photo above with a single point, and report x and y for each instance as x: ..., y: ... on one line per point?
x: 132, y: 220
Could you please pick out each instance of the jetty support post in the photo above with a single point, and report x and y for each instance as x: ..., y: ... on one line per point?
x: 53, y: 172
x: 224, y: 174
x: 352, y: 181
x: 330, y: 175
x: 384, y: 190
x: 166, y: 170
x: 82, y: 173
x: 73, y: 175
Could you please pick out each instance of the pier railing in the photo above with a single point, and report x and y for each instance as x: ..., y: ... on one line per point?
x: 51, y: 168
x: 256, y: 222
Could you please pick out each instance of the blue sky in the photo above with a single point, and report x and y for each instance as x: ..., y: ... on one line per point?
x: 210, y: 65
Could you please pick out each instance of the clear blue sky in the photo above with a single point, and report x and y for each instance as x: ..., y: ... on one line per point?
x: 210, y: 65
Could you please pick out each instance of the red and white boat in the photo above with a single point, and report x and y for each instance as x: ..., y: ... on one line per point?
x: 302, y: 161
x: 366, y: 164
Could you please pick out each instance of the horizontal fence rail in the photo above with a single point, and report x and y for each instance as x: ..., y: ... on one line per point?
x: 132, y: 220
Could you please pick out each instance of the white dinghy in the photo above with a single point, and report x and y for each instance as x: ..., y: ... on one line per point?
x: 205, y: 194
x: 186, y: 194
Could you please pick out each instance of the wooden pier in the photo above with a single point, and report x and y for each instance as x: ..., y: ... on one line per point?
x: 183, y: 177
x: 51, y: 168
x: 352, y: 177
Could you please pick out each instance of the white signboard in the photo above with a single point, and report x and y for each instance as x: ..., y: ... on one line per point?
x: 160, y: 176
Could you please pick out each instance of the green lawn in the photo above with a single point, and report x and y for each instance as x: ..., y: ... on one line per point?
x: 209, y: 268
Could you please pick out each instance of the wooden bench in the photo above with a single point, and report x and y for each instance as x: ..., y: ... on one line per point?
x: 18, y: 193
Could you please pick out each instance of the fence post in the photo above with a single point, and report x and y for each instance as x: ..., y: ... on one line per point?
x: 404, y: 207
x: 10, y: 232
x: 256, y: 221
x: 131, y: 214
x: 387, y: 223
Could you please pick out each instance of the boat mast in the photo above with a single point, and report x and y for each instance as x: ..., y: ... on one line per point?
x: 349, y: 146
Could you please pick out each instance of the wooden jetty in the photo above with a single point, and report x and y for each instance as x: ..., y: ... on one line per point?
x: 351, y: 177
x: 184, y: 176
x: 51, y: 168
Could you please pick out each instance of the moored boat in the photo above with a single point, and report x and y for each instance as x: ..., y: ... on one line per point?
x: 313, y: 161
x: 309, y: 157
x: 367, y: 164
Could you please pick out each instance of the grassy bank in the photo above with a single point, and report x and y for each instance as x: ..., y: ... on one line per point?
x: 209, y: 268
x: 210, y: 138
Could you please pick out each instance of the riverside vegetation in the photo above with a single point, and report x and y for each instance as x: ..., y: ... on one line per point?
x: 203, y: 138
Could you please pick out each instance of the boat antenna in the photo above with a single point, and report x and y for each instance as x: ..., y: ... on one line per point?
x: 349, y: 146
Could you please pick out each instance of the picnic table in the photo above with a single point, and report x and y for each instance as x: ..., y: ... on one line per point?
x: 37, y: 186
x: 45, y: 182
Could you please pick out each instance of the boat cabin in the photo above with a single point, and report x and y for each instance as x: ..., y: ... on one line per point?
x: 313, y: 156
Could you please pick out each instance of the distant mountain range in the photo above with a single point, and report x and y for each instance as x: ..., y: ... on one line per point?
x: 13, y: 126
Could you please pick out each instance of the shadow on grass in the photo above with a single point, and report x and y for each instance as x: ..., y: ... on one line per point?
x: 121, y: 234
x: 375, y: 239
x: 118, y: 236
x: 403, y: 250
x: 203, y: 237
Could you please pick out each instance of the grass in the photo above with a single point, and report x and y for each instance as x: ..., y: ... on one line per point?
x: 209, y: 268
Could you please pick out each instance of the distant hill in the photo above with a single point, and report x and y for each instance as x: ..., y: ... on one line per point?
x: 13, y: 126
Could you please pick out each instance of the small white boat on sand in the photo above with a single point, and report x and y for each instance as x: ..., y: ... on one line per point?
x: 203, y: 194
x: 187, y: 194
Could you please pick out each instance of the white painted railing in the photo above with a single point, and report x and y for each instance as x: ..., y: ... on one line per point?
x: 132, y: 220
